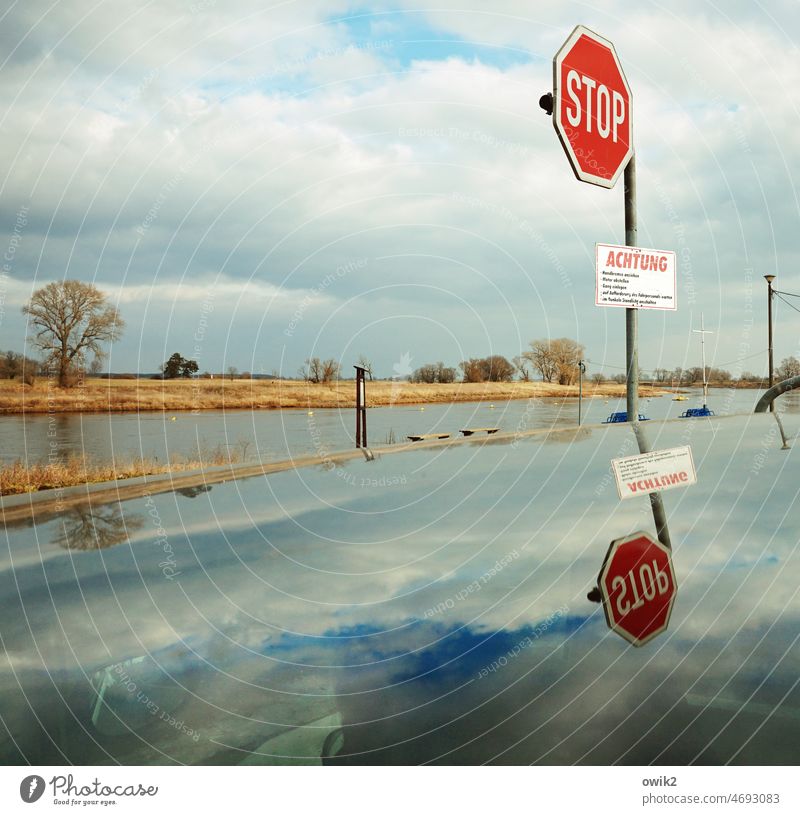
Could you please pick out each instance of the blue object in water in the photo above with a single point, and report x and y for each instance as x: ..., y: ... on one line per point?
x: 693, y: 413
x: 622, y: 416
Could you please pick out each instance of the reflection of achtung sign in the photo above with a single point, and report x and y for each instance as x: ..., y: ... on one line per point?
x: 631, y: 277
x: 654, y: 472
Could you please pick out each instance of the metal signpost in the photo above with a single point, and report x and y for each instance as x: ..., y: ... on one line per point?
x: 638, y: 587
x: 592, y: 109
x: 361, y: 407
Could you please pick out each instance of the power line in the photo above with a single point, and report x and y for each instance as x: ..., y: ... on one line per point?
x: 787, y: 302
x: 718, y: 364
x: 787, y: 293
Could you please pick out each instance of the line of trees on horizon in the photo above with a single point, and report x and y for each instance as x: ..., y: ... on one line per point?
x: 72, y: 320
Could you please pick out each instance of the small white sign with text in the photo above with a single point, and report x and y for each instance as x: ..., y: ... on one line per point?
x: 654, y: 472
x: 632, y: 277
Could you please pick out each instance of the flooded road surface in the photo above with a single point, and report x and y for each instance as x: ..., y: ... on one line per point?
x: 429, y: 606
x: 280, y: 434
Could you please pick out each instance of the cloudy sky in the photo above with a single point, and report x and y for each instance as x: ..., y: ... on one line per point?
x: 253, y: 183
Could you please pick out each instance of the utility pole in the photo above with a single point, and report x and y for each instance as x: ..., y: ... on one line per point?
x: 769, y: 278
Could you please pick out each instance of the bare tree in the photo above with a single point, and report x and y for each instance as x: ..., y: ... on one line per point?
x: 96, y: 367
x: 71, y: 319
x: 541, y: 358
x: 597, y: 378
x: 473, y: 370
x: 364, y: 363
x: 233, y: 371
x: 312, y: 370
x: 329, y: 371
x: 556, y: 359
x: 434, y: 372
x: 11, y: 364
x: 789, y: 367
x: 567, y: 354
x: 522, y: 364
x: 497, y: 368
x: 445, y: 374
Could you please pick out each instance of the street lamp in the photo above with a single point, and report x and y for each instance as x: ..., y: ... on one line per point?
x: 581, y: 371
x: 769, y: 278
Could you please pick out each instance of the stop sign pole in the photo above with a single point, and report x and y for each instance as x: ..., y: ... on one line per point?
x: 592, y: 109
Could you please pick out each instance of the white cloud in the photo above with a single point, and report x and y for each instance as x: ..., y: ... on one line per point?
x: 206, y: 153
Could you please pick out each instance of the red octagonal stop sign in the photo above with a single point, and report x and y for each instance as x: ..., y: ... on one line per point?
x: 638, y: 587
x: 592, y: 107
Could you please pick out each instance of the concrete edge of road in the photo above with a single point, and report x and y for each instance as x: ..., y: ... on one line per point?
x: 40, y: 506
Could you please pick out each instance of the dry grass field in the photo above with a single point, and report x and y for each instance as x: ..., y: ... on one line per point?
x: 118, y: 395
x: 18, y: 478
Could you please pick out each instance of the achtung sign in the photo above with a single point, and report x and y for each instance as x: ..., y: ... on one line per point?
x: 632, y: 277
x: 654, y: 472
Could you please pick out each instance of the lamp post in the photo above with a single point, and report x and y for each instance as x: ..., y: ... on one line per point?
x: 581, y: 369
x: 769, y: 278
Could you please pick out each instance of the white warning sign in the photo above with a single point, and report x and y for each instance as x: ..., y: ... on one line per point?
x: 654, y: 472
x: 632, y: 277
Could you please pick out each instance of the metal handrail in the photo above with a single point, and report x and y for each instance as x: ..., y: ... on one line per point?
x: 775, y: 391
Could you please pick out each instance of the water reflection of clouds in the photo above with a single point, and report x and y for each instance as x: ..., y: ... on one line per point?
x: 259, y: 592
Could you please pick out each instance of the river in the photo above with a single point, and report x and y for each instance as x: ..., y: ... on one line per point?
x: 278, y: 434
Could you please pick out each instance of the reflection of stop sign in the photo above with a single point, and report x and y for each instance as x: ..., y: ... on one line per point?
x: 592, y: 110
x: 638, y: 587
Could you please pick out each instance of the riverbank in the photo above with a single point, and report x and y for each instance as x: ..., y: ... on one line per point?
x: 138, y: 395
x: 20, y: 478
